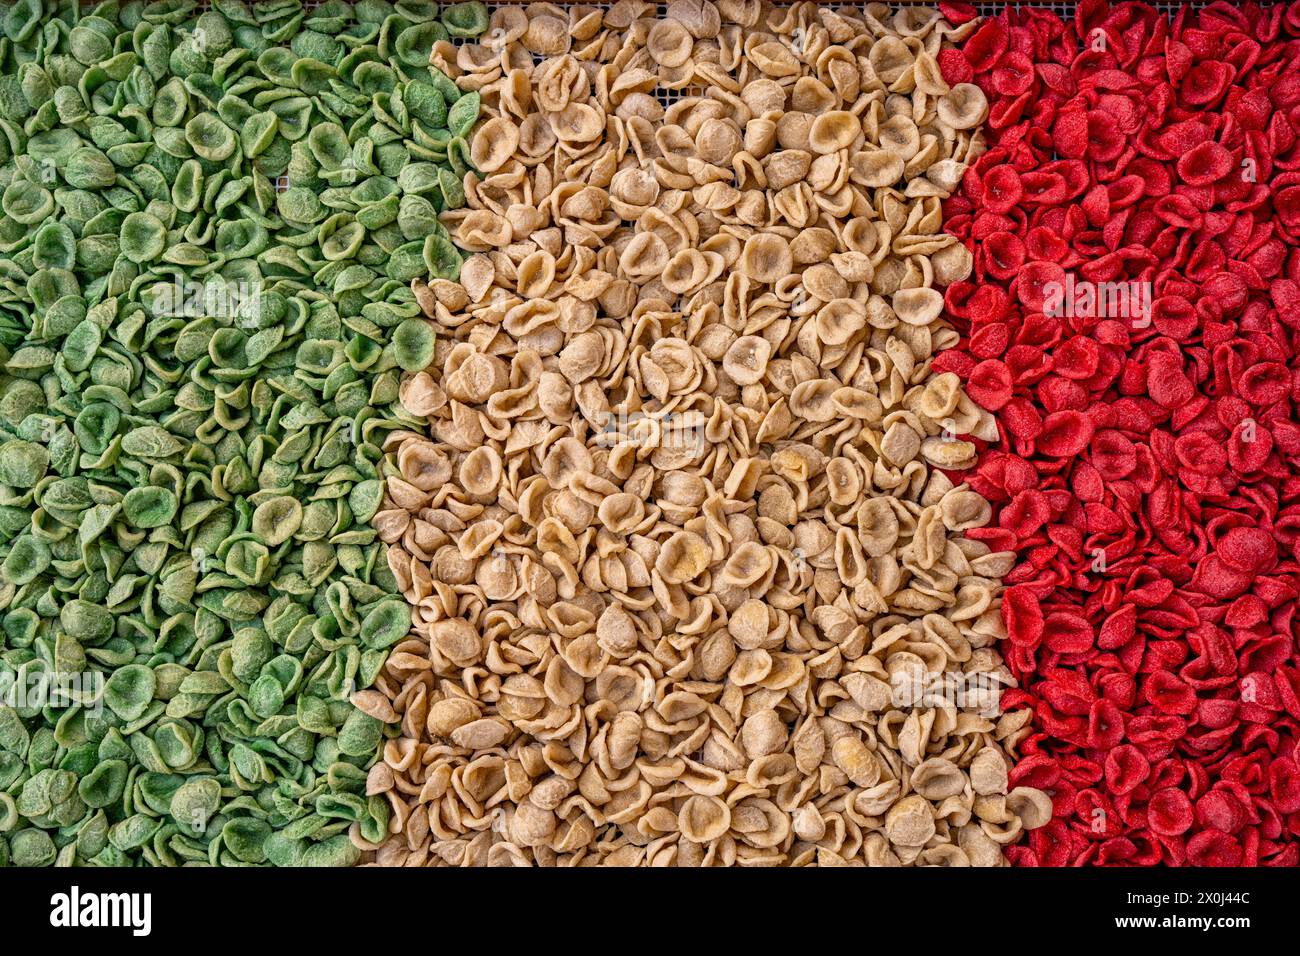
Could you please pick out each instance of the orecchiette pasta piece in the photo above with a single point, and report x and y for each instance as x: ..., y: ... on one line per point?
x: 910, y: 822
x: 718, y: 141
x: 917, y: 306
x: 963, y: 107
x: 963, y: 510
x: 703, y: 819
x: 900, y: 443
x: 937, y: 779
x: 951, y: 264
x: 890, y: 59
x: 857, y: 762
x: 546, y: 35
x: 646, y: 256
x: 813, y: 400
x: 834, y: 130
x: 669, y: 43
x: 988, y: 773
x: 839, y: 320
x: 899, y: 137
x: 682, y: 557
x: 577, y: 124
x: 1032, y: 807
x: 948, y: 453
x: 766, y: 257
x: 746, y: 359
x: 494, y: 144
x: 686, y: 271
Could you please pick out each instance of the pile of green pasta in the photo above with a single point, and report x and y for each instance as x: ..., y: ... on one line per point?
x: 198, y: 372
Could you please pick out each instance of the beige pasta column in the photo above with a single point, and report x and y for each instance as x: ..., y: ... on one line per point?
x: 690, y: 586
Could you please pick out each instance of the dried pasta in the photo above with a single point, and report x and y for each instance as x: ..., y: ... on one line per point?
x: 688, y: 573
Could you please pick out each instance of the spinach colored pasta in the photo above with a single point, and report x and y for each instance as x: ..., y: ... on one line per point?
x: 200, y: 368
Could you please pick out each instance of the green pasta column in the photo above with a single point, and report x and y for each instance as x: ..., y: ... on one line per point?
x: 200, y: 367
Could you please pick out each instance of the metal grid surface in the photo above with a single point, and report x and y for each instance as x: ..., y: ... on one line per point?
x: 1062, y: 8
x: 1066, y: 9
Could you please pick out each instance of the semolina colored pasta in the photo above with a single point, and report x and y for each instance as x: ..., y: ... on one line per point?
x: 690, y: 581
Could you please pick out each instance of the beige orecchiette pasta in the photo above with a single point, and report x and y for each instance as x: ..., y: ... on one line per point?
x: 689, y: 575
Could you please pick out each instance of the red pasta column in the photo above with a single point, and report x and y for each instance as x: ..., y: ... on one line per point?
x: 1133, y: 323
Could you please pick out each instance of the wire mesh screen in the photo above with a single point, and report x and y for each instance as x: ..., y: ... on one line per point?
x: 668, y: 96
x: 1064, y: 9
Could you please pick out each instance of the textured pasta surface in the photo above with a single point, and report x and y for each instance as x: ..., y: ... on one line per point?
x: 198, y: 375
x: 689, y: 575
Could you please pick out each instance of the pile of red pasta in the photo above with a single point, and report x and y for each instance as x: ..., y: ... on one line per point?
x: 1133, y: 321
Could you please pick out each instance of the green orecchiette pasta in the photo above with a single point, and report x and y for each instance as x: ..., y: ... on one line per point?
x: 210, y: 221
